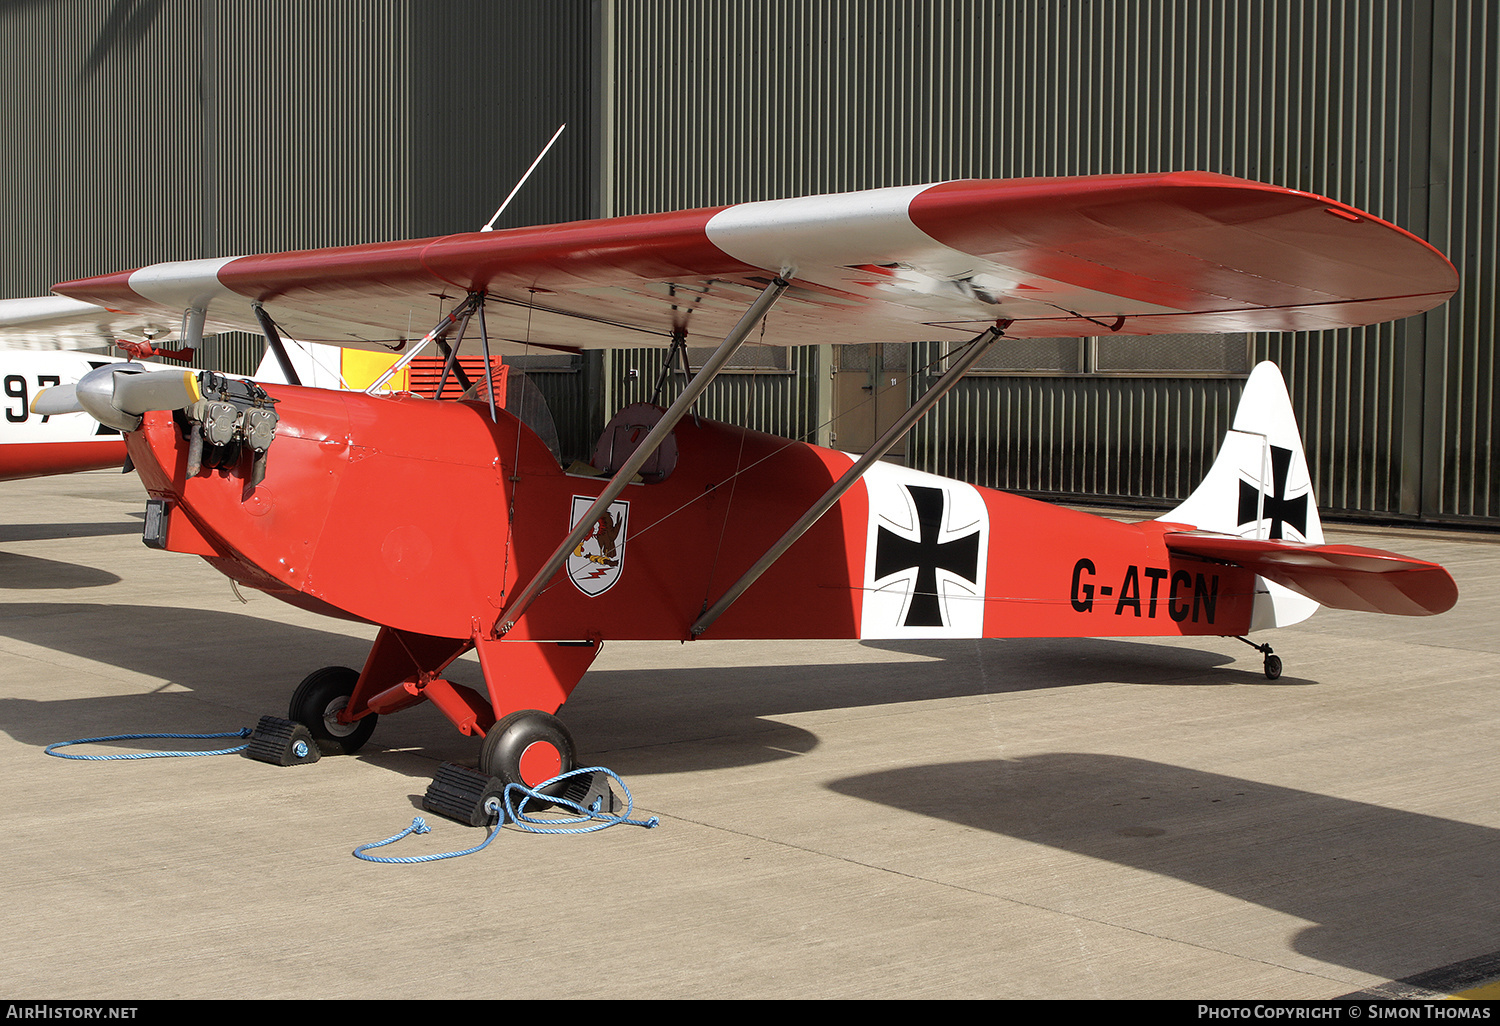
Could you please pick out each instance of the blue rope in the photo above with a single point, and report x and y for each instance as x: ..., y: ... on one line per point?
x: 419, y: 826
x: 242, y: 732
x: 601, y: 820
x: 517, y: 816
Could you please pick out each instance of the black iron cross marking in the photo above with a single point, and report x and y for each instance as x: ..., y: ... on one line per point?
x: 1278, y: 508
x: 894, y: 554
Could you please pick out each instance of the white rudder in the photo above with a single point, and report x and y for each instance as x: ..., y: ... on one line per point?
x: 1259, y: 487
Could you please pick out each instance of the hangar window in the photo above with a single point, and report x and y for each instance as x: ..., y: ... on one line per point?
x: 1118, y: 355
x: 1037, y: 355
x: 874, y: 356
x: 748, y: 359
x: 1196, y: 355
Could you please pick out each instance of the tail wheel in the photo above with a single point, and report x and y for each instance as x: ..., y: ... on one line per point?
x: 318, y: 700
x: 528, y: 747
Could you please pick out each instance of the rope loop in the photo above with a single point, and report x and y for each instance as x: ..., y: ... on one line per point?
x: 419, y: 826
x: 597, y: 820
x: 51, y: 749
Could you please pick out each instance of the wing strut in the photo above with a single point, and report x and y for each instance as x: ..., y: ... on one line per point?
x: 447, y: 324
x: 894, y: 434
x: 489, y: 367
x: 273, y: 339
x: 643, y: 452
x: 450, y: 356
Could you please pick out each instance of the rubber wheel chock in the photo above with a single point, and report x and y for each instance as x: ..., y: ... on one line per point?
x: 460, y: 793
x: 282, y: 743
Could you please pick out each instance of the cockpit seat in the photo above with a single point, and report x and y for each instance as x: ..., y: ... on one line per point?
x: 624, y: 434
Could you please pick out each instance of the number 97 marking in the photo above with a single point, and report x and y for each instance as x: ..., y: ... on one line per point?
x: 15, y: 388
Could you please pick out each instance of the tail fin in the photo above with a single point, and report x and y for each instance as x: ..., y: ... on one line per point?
x: 1259, y: 488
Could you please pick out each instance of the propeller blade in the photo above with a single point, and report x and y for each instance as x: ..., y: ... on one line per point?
x: 156, y: 390
x: 57, y: 399
x: 118, y: 393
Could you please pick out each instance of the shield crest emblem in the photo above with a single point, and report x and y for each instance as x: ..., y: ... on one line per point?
x: 595, y: 563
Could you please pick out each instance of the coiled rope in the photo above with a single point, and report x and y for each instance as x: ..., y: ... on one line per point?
x: 596, y: 819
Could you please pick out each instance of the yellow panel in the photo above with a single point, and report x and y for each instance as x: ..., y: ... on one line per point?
x: 361, y: 367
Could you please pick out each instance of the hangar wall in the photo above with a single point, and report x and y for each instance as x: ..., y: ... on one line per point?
x: 138, y: 131
x: 1387, y: 105
x: 145, y: 130
x: 141, y: 130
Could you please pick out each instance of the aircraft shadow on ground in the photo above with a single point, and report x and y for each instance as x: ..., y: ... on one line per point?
x: 1389, y: 892
x: 234, y: 661
x: 642, y: 718
x: 1025, y: 664
x: 48, y: 532
x: 654, y: 720
x: 1386, y: 890
x: 20, y: 572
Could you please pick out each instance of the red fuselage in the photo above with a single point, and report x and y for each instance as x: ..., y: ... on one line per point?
x: 426, y: 517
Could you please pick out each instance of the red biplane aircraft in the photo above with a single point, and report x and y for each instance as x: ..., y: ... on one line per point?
x: 453, y: 527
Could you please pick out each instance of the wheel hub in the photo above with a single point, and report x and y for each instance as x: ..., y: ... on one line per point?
x: 540, y: 761
x: 331, y: 718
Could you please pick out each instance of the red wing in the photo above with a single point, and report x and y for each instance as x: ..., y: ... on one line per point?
x: 1128, y: 254
x: 1340, y: 576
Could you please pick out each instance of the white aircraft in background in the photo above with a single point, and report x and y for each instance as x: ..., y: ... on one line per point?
x: 62, y: 340
x: 34, y: 444
x: 38, y: 444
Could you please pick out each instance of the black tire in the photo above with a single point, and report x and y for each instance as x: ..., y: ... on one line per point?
x: 528, y: 747
x: 317, y: 701
x: 1273, y: 667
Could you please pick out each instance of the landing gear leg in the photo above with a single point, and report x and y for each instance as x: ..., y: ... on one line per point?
x: 530, y: 745
x: 1273, y: 661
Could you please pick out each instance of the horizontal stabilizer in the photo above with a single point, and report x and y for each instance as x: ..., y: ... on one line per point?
x: 1340, y: 576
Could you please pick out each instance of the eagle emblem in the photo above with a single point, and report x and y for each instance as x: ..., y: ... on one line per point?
x: 595, y: 563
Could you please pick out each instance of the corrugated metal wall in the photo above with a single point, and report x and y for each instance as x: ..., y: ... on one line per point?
x: 779, y: 402
x: 1130, y: 436
x: 1390, y: 106
x: 309, y: 123
x: 142, y: 131
x: 139, y: 131
x: 292, y: 156
x: 100, y: 158
x: 1464, y: 202
x: 490, y: 84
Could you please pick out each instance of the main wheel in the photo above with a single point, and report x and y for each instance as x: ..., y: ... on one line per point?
x: 527, y: 747
x: 318, y: 700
